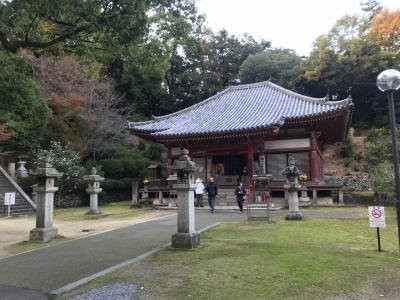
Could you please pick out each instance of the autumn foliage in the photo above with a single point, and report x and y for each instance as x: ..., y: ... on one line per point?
x: 386, y: 29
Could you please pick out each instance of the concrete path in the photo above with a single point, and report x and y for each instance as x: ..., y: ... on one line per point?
x: 12, y: 293
x: 54, y: 267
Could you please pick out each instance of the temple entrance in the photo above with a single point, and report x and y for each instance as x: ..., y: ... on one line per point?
x: 228, y: 170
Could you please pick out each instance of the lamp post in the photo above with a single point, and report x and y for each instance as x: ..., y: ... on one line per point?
x: 388, y: 82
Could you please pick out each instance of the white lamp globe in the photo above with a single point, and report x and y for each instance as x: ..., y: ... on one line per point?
x: 388, y: 80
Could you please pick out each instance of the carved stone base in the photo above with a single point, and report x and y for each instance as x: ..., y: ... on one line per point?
x: 304, y: 201
x: 43, y: 234
x: 294, y: 215
x: 185, y: 240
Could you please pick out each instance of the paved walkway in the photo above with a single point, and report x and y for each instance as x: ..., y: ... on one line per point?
x: 54, y: 267
x: 51, y: 268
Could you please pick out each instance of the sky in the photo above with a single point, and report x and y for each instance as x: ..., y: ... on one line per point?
x: 293, y: 24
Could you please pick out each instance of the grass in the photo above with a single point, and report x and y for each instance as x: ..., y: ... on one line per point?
x: 109, y: 210
x: 311, y: 259
x: 32, y: 245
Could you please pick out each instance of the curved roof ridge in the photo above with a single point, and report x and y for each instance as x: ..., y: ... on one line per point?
x: 297, y: 95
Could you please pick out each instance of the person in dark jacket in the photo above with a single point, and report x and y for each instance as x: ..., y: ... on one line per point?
x: 212, y: 192
x: 240, y: 192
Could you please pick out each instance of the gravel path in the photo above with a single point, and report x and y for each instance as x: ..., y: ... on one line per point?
x: 116, y: 291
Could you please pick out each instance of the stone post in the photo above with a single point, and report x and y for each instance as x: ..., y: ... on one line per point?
x: 11, y: 169
x: 304, y: 199
x: 292, y: 186
x: 186, y: 237
x: 135, y: 186
x: 45, y: 190
x: 93, y: 190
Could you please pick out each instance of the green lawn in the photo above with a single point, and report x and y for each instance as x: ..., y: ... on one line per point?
x: 312, y: 259
x: 118, y: 209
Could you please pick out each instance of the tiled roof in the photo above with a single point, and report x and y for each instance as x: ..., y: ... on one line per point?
x: 239, y: 108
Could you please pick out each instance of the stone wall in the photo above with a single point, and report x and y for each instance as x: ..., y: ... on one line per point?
x: 352, y: 183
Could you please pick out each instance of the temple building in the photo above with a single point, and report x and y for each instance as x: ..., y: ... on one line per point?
x: 248, y: 129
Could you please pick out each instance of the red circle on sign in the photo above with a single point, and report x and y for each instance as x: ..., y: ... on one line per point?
x: 376, y: 213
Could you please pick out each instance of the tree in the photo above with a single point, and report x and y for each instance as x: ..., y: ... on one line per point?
x: 86, y: 111
x: 64, y: 159
x: 385, y: 30
x: 125, y: 162
x: 205, y: 64
x: 44, y: 24
x: 346, y: 61
x: 280, y: 66
x: 371, y: 8
x: 23, y: 111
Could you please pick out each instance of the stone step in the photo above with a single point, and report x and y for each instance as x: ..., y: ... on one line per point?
x: 22, y: 208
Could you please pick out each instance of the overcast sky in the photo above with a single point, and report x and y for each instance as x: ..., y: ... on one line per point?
x: 293, y: 24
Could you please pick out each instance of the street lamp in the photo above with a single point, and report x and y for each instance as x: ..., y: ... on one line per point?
x: 388, y: 82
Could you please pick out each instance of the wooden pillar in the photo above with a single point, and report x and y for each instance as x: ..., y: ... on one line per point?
x: 315, y: 160
x: 208, y: 166
x: 169, y: 161
x: 250, y: 171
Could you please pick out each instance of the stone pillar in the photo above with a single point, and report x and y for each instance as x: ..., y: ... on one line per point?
x: 11, y: 169
x: 45, y: 190
x: 135, y: 186
x: 93, y: 190
x: 186, y: 237
x: 340, y: 195
x: 314, y: 196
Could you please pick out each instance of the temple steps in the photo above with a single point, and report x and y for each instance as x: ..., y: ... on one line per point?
x: 20, y: 207
x: 226, y: 197
x: 23, y: 203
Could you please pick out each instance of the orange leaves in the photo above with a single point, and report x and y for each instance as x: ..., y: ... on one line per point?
x: 5, y: 132
x: 73, y: 103
x: 386, y: 29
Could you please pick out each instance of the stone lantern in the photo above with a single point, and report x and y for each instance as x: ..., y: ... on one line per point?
x: 45, y: 190
x: 186, y: 237
x: 22, y: 171
x: 292, y: 173
x: 93, y: 190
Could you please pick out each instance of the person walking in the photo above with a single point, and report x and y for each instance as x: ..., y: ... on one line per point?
x: 199, y: 193
x: 241, y: 195
x: 212, y: 192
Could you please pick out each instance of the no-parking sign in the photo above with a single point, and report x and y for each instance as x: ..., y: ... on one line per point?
x: 9, y: 198
x: 376, y: 216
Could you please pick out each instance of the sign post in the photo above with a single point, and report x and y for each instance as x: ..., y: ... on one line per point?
x: 376, y: 216
x: 9, y: 199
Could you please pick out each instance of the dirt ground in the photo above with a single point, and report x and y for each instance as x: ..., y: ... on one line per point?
x: 14, y: 230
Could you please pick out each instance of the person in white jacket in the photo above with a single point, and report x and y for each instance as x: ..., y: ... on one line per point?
x: 199, y: 193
